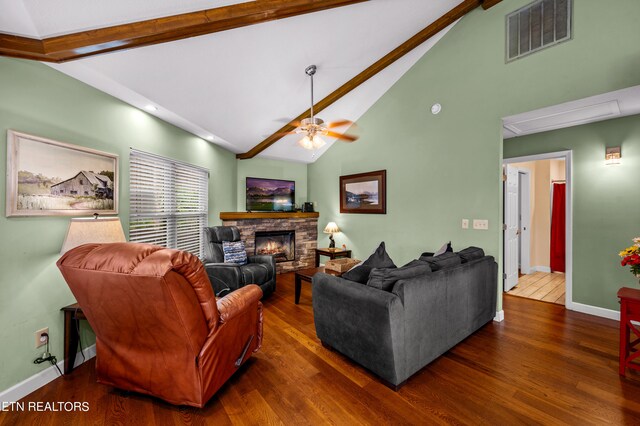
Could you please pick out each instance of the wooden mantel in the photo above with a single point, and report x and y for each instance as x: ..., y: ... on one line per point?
x: 267, y: 215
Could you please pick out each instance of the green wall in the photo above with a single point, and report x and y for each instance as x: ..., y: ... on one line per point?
x: 446, y: 167
x: 39, y: 100
x: 606, y: 202
x: 271, y: 169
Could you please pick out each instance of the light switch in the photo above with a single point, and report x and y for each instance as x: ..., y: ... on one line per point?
x: 481, y: 224
x: 465, y: 223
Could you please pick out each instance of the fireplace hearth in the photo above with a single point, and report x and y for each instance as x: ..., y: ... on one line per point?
x: 280, y: 244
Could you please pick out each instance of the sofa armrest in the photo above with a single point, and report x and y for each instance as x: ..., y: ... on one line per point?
x: 235, y: 303
x: 224, y: 276
x: 362, y: 322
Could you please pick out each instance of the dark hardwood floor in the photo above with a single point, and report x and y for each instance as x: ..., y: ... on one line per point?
x: 542, y: 365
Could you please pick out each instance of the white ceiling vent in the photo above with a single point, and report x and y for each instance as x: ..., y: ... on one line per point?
x: 566, y: 118
x: 538, y: 25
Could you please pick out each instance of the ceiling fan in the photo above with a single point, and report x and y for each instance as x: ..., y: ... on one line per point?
x: 314, y: 127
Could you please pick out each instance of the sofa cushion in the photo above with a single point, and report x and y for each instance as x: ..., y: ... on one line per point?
x: 413, y: 262
x: 379, y: 259
x: 385, y: 279
x: 234, y: 252
x: 471, y: 253
x: 444, y: 261
x: 255, y: 273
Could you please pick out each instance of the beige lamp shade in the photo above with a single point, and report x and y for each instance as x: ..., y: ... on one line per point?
x: 331, y: 228
x: 89, y: 230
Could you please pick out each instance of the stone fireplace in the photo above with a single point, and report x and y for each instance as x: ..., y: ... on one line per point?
x: 304, y: 227
x: 279, y: 244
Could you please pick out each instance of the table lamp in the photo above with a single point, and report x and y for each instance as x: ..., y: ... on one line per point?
x: 92, y: 230
x: 331, y: 229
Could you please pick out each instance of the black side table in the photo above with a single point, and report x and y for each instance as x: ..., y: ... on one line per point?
x: 72, y: 316
x: 331, y: 254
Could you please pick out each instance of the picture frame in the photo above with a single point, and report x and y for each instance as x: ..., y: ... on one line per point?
x: 50, y: 178
x: 364, y: 193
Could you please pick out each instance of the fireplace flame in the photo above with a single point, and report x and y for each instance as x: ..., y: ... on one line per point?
x: 279, y: 246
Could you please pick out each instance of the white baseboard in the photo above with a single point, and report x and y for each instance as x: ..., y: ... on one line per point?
x: 499, y: 316
x: 541, y: 269
x: 594, y: 310
x: 38, y: 380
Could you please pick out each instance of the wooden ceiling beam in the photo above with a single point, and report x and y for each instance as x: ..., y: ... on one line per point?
x: 486, y: 4
x: 22, y: 47
x: 432, y: 29
x: 160, y: 30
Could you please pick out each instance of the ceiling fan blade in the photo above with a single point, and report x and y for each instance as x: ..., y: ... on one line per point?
x: 339, y: 123
x: 348, y: 138
x: 288, y: 121
x: 286, y: 133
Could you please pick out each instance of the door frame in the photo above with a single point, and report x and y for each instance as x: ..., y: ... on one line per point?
x: 525, y: 206
x: 567, y: 156
x: 510, y: 270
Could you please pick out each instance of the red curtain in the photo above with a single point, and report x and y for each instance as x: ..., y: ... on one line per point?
x: 558, y: 221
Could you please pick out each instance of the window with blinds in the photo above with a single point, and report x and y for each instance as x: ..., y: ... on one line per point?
x: 168, y: 202
x: 538, y: 25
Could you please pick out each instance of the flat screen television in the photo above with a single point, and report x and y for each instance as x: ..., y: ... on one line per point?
x: 270, y: 195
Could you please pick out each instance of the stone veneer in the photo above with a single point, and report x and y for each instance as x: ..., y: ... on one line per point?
x: 306, y: 238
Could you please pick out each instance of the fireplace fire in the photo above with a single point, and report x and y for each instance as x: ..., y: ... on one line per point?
x: 280, y: 244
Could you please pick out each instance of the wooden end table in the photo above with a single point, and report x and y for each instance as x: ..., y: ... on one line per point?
x: 307, y: 275
x: 72, y: 316
x: 629, y: 311
x: 331, y: 253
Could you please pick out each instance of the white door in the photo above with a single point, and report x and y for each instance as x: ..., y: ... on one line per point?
x: 511, y: 232
x: 525, y: 221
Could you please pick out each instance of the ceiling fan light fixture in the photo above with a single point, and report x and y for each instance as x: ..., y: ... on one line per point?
x: 306, y: 143
x: 317, y: 142
x: 313, y: 127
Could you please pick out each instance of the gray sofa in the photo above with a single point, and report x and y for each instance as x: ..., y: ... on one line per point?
x: 396, y: 333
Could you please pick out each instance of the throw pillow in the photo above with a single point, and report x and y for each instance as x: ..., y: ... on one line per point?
x: 234, y: 252
x: 385, y: 279
x: 445, y: 260
x: 471, y: 253
x: 379, y: 259
x: 446, y: 248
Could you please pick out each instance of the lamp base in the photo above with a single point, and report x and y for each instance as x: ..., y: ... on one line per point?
x: 332, y: 242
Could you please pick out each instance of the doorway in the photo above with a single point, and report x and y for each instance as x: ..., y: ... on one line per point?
x: 537, y: 215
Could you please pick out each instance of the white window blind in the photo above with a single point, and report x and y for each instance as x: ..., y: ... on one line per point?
x: 168, y: 201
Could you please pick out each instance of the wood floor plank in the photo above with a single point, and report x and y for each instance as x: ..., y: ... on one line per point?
x: 542, y: 365
x: 548, y: 287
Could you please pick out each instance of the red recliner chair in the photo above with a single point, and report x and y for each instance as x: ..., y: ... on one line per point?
x: 159, y: 329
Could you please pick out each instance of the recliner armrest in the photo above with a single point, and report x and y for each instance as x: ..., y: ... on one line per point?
x: 221, y: 265
x: 261, y: 258
x: 224, y: 276
x: 235, y: 303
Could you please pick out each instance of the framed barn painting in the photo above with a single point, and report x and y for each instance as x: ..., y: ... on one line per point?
x: 364, y: 193
x: 49, y: 178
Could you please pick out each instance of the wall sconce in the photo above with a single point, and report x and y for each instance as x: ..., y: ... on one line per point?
x: 612, y: 156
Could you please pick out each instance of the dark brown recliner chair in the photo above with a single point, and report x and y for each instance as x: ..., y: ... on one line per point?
x: 159, y: 330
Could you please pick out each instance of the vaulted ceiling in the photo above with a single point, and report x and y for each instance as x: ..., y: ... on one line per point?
x: 238, y: 86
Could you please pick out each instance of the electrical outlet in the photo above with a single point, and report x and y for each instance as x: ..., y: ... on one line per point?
x: 465, y: 223
x: 481, y: 224
x: 40, y: 339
